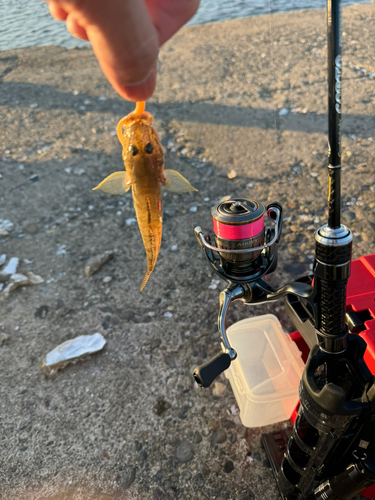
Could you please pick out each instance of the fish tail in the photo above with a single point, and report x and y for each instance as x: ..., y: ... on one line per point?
x: 145, y: 279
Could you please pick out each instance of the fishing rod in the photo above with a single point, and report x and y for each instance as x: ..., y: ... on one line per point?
x: 330, y: 452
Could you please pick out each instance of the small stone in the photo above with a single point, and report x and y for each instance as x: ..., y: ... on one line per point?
x: 219, y: 389
x: 197, y: 437
x: 161, y: 407
x: 174, y: 248
x: 5, y: 227
x: 219, y: 436
x: 3, y: 259
x: 126, y: 478
x: 183, y: 412
x: 214, y: 424
x: 34, y: 178
x: 170, y: 361
x: 193, y: 209
x: 186, y: 475
x: 216, y: 467
x: 184, y: 452
x: 256, y: 455
x: 61, y: 250
x: 31, y: 228
x: 349, y: 216
x: 228, y: 466
x: 107, y: 279
x: 131, y: 221
x: 283, y: 111
x: 3, y: 338
x: 233, y: 437
x: 79, y: 171
x: 249, y: 496
x: 159, y: 494
x: 96, y: 263
x: 168, y: 314
x: 41, y: 312
x: 232, y: 174
x: 205, y: 470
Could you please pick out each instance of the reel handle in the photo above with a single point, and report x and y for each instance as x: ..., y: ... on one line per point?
x: 205, y: 374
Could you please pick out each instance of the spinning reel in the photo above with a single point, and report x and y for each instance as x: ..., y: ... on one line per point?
x: 245, y: 252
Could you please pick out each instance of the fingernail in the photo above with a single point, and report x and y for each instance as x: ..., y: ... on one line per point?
x: 143, y: 90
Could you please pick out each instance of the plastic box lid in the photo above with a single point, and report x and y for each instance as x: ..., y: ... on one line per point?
x: 269, y: 366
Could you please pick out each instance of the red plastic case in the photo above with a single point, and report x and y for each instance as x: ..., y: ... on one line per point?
x: 360, y: 299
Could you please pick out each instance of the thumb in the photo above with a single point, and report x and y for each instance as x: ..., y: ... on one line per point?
x: 124, y: 41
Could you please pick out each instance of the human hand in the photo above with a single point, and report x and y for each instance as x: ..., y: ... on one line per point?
x: 126, y: 36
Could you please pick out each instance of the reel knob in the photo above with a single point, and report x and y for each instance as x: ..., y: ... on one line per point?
x: 205, y: 374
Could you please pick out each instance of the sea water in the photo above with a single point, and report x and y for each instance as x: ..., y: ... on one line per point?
x: 27, y: 23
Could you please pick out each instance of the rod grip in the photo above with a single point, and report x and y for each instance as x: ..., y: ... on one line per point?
x: 205, y: 374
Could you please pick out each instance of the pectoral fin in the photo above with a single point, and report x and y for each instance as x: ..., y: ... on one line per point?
x: 177, y: 183
x: 114, y: 184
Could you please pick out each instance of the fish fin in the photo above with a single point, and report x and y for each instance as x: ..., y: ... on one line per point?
x: 177, y: 183
x: 114, y: 184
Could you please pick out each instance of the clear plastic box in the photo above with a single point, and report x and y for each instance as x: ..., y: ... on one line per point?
x: 266, y: 374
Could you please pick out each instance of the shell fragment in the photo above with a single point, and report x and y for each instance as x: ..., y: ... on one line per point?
x: 70, y: 351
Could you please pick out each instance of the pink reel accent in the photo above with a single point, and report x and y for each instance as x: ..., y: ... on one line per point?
x: 238, y: 231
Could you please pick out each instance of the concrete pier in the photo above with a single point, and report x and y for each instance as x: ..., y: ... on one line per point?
x: 245, y: 96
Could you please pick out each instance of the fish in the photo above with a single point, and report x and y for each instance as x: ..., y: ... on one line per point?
x: 144, y: 174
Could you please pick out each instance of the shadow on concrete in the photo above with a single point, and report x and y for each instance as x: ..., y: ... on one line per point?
x: 26, y: 95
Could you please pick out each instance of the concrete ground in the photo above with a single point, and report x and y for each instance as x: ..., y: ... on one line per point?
x: 246, y: 95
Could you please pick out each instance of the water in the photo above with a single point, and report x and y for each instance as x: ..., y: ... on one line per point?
x: 27, y: 23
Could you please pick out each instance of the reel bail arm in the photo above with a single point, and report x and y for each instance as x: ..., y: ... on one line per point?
x: 205, y: 374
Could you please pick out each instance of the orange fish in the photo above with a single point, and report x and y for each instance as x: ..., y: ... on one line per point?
x: 144, y: 173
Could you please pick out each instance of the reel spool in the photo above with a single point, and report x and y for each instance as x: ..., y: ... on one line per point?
x: 250, y: 248
x: 239, y: 225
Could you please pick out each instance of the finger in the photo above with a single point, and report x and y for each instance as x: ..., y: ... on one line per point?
x: 75, y: 29
x: 57, y: 12
x: 142, y: 90
x: 124, y: 40
x: 169, y: 16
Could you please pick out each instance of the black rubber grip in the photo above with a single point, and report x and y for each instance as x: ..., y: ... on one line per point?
x: 332, y: 307
x: 205, y: 374
x: 334, y: 255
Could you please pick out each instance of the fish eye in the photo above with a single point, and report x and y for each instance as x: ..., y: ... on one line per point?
x: 133, y: 149
x: 149, y: 148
